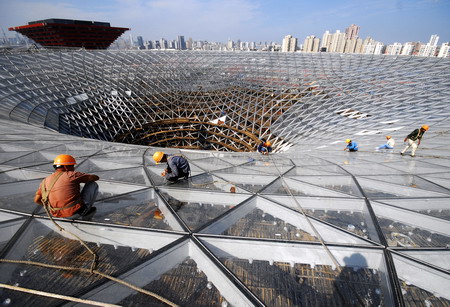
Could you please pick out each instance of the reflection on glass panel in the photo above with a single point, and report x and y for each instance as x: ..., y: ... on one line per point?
x: 22, y: 202
x: 196, y: 214
x: 351, y: 221
x: 185, y: 285
x: 401, y: 235
x: 138, y: 209
x: 259, y: 224
x: 207, y: 182
x: 297, y: 284
x: 416, y: 296
x: 131, y: 175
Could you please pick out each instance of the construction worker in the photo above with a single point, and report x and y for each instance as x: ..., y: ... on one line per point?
x: 60, y: 192
x: 389, y: 144
x: 265, y: 147
x: 351, y: 146
x: 414, y: 136
x: 177, y: 166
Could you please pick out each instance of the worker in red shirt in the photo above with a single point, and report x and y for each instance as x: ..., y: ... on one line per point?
x: 60, y: 192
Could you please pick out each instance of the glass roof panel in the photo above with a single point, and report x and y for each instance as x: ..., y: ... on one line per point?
x: 196, y: 208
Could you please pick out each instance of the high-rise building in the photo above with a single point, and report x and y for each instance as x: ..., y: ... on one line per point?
x: 181, y: 44
x: 352, y: 31
x: 326, y: 41
x: 444, y: 51
x: 433, y: 40
x: 289, y: 44
x: 140, y: 42
x: 163, y: 43
x: 394, y: 49
x: 407, y: 49
x: 337, y: 42
x: 189, y: 43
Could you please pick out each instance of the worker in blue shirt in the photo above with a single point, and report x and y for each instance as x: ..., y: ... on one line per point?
x: 265, y: 147
x: 177, y: 166
x: 351, y: 146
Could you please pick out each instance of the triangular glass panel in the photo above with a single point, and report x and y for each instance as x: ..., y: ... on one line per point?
x: 11, y: 174
x: 19, y: 196
x: 261, y: 218
x: 411, y: 181
x: 342, y: 184
x: 197, y: 208
x: 251, y: 183
x: 281, y: 274
x: 155, y: 173
x: 207, y: 182
x: 420, y: 284
x: 135, y: 175
x: 437, y: 207
x: 138, y: 209
x: 288, y: 186
x: 404, y: 228
x: 379, y: 189
x: 211, y: 164
x: 9, y: 225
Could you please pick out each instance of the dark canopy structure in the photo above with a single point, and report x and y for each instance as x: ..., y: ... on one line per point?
x: 71, y: 33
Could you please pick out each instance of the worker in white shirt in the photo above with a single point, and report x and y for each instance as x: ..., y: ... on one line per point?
x: 389, y: 144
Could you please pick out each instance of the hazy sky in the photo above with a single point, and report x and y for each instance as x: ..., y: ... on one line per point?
x: 387, y: 21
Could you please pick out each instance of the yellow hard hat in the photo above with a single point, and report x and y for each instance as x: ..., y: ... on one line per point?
x: 348, y: 141
x: 157, y: 156
x: 425, y: 127
x: 388, y: 137
x: 64, y: 160
x: 268, y: 143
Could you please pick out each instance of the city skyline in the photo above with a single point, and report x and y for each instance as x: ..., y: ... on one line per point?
x: 247, y: 20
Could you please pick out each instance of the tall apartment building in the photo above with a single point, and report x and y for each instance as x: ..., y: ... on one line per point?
x: 311, y: 44
x: 337, y: 42
x: 394, y: 49
x: 352, y: 31
x: 289, y: 44
x: 181, y: 44
x: 444, y: 52
x: 326, y: 41
x: 430, y: 48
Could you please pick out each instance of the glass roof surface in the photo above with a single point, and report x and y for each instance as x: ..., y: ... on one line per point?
x: 307, y: 225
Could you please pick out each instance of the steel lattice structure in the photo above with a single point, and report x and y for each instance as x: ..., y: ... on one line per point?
x: 312, y: 225
x: 219, y: 100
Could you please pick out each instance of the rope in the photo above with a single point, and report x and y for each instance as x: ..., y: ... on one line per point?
x: 88, y: 271
x: 58, y: 296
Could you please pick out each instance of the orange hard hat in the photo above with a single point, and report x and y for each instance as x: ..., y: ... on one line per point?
x: 157, y: 156
x: 425, y: 127
x: 64, y: 160
x: 268, y: 143
x: 388, y: 137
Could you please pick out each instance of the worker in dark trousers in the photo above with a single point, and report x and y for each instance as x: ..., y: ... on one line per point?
x: 412, y: 138
x: 60, y: 192
x: 351, y: 146
x: 177, y: 166
x: 265, y: 147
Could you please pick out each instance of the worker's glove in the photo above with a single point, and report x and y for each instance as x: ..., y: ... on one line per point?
x: 164, y: 173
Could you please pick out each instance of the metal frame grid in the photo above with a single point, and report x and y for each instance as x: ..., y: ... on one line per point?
x: 218, y: 100
x: 234, y: 234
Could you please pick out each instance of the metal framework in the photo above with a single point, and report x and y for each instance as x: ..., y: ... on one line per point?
x: 312, y: 225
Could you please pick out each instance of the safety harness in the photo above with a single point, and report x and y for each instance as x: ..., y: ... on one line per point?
x: 46, y: 192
